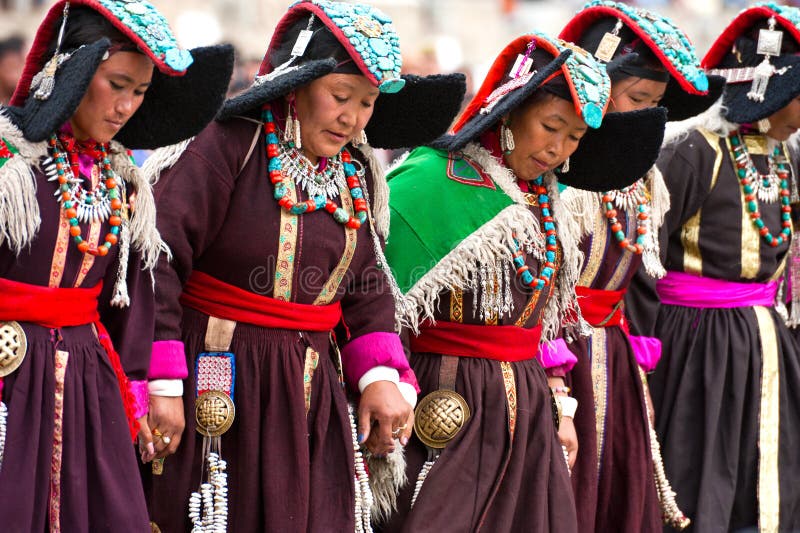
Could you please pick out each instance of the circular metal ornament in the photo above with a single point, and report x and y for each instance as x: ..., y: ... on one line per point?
x: 13, y: 345
x: 439, y: 417
x: 214, y: 412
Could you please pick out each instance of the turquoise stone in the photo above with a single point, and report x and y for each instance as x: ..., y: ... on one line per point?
x: 591, y: 92
x: 384, y: 63
x: 379, y: 46
x: 392, y: 85
x: 178, y: 59
x: 592, y: 115
x: 590, y: 74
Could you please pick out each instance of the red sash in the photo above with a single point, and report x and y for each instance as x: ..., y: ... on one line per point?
x: 600, y: 308
x: 501, y: 343
x: 219, y: 299
x: 57, y: 308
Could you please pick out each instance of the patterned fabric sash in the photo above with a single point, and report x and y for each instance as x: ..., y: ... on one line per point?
x: 217, y: 298
x: 501, y: 343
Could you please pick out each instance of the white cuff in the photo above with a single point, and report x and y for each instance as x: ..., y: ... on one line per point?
x: 165, y: 387
x: 378, y: 373
x: 409, y: 393
x: 568, y: 406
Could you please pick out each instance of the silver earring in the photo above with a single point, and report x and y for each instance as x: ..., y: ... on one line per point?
x: 763, y: 125
x: 565, y: 166
x: 360, y: 139
x: 298, y: 142
x: 506, y: 139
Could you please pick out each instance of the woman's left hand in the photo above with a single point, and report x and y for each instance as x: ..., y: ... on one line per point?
x: 569, y: 438
x: 383, y: 416
x: 147, y: 451
x: 167, y: 422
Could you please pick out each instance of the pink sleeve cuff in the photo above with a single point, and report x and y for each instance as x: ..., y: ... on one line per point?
x: 168, y: 361
x: 647, y: 351
x: 373, y: 349
x: 142, y: 398
x: 555, y: 357
x: 409, y: 377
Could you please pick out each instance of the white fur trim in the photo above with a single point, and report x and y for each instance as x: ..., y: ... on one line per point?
x: 386, y: 477
x: 380, y: 191
x: 711, y: 119
x: 378, y: 373
x: 163, y: 159
x: 409, y: 393
x: 171, y: 388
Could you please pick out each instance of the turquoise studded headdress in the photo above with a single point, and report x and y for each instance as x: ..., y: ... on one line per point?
x: 611, y: 30
x: 186, y: 91
x: 365, y: 32
x: 536, y: 61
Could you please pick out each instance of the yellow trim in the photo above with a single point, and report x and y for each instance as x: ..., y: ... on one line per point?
x: 350, y: 239
x: 511, y: 395
x: 310, y: 365
x: 756, y: 144
x: 599, y: 241
x: 457, y: 305
x: 287, y: 247
x: 599, y: 385
x: 768, y: 425
x: 751, y: 240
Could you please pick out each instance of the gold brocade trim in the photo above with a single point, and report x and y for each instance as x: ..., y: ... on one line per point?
x: 350, y: 239
x: 457, y: 305
x: 690, y: 232
x: 756, y: 144
x: 511, y: 395
x: 599, y: 386
x: 529, y: 308
x: 54, y: 500
x: 751, y: 240
x: 625, y: 260
x: 60, y: 252
x: 598, y: 245
x: 781, y: 267
x: 88, y: 259
x: 287, y: 247
x: 768, y: 425
x: 312, y: 360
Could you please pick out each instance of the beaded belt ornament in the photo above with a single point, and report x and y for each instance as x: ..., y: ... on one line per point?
x: 214, y: 407
x: 13, y: 346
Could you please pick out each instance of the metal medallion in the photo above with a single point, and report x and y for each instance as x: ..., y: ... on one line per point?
x: 439, y: 417
x: 214, y: 413
x: 13, y: 346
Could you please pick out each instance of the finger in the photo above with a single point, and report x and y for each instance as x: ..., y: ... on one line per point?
x: 172, y: 447
x: 573, y: 456
x: 406, y: 434
x: 364, y: 423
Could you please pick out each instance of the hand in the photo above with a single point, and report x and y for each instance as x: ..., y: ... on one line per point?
x: 381, y: 410
x: 167, y: 420
x: 146, y: 449
x: 569, y: 438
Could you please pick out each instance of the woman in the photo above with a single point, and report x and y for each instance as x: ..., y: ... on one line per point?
x: 487, y: 262
x: 74, y: 267
x: 277, y: 245
x: 725, y: 390
x: 618, y: 478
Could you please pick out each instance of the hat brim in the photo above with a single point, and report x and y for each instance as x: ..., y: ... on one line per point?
x: 418, y: 114
x: 176, y: 108
x: 482, y: 122
x: 682, y: 105
x: 604, y: 159
x: 781, y: 90
x: 38, y: 119
x: 249, y: 103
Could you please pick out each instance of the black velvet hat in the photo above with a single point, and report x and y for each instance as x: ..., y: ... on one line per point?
x: 612, y: 30
x: 758, y: 56
x: 410, y: 110
x: 187, y: 88
x: 601, y: 162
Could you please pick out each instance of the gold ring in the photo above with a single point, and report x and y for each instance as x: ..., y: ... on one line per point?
x: 157, y: 433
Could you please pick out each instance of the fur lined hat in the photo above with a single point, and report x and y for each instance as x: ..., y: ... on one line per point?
x: 318, y: 37
x: 187, y: 89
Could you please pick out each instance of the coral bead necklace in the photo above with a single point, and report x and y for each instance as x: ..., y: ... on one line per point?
x: 102, y: 203
x: 551, y: 244
x: 747, y: 174
x: 276, y: 152
x: 625, y: 199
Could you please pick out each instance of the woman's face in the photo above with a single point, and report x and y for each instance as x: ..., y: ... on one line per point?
x: 785, y: 121
x: 633, y: 94
x: 546, y: 133
x: 114, y: 94
x: 332, y: 110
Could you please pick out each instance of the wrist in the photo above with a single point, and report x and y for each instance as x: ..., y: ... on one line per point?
x: 378, y: 373
x: 568, y: 406
x: 165, y: 387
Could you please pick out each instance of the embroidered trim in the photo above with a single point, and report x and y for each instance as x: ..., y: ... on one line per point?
x: 769, y: 499
x: 287, y: 247
x: 600, y: 385
x: 511, y: 395
x: 331, y: 287
x: 457, y: 305
x: 60, y: 364
x: 461, y: 169
x: 311, y: 362
x: 597, y: 246
x: 60, y: 253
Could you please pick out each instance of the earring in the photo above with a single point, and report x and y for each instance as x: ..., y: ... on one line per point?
x: 291, y: 132
x: 565, y: 166
x: 763, y: 125
x: 360, y: 139
x: 506, y: 139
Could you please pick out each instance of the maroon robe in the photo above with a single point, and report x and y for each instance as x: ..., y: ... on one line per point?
x: 288, y: 470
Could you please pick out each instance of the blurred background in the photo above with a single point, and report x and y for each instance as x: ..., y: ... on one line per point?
x: 435, y: 35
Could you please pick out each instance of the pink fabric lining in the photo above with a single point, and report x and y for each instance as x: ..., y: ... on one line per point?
x: 556, y: 358
x: 647, y: 351
x: 379, y: 348
x: 168, y: 361
x: 139, y: 390
x: 688, y: 290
